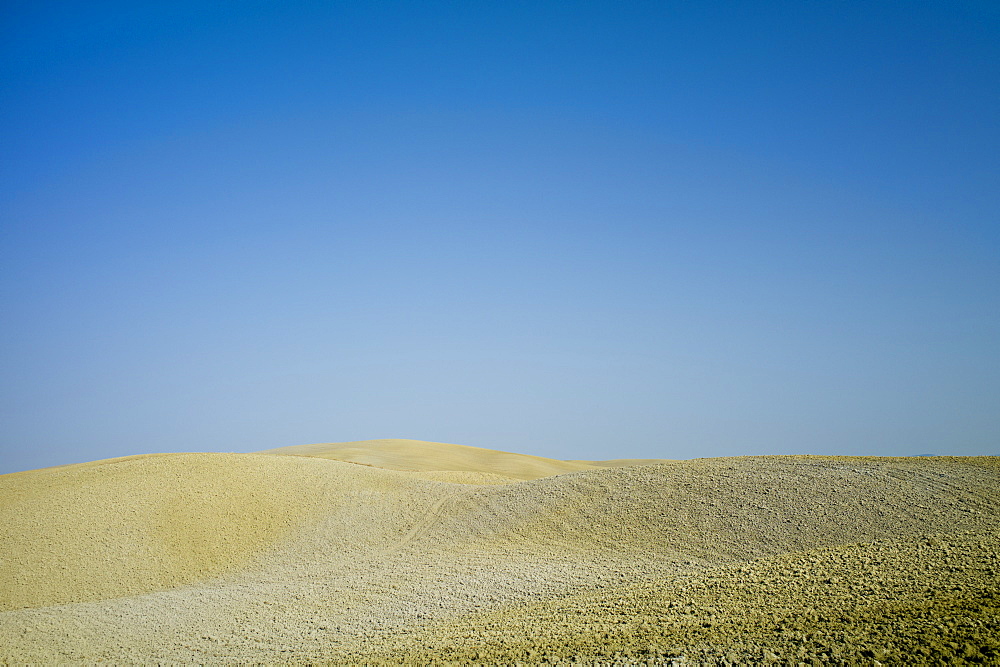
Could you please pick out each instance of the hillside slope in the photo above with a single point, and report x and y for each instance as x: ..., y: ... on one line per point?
x: 266, y: 558
x: 422, y: 456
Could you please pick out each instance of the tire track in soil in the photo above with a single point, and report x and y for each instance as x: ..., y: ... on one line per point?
x: 425, y: 523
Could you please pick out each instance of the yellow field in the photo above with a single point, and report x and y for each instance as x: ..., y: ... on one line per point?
x: 405, y: 551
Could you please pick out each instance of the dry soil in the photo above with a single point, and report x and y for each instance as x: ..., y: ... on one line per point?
x: 389, y: 552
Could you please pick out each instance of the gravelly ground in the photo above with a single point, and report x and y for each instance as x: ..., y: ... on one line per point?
x: 255, y: 558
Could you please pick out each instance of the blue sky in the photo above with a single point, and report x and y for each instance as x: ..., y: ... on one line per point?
x: 579, y: 230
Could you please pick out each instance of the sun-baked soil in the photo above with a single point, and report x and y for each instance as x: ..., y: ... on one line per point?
x: 294, y: 558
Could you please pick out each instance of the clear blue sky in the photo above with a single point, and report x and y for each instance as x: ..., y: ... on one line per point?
x: 580, y: 230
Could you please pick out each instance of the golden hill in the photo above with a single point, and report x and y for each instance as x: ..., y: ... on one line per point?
x: 431, y: 551
x: 421, y: 456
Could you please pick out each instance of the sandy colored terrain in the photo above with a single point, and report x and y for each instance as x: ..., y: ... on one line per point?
x: 421, y: 456
x: 429, y: 552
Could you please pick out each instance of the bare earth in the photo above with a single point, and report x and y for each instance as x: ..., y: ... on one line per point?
x: 401, y: 551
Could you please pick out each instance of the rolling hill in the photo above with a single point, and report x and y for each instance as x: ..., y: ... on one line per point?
x: 394, y: 551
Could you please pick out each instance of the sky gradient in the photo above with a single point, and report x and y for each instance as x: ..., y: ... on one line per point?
x: 580, y: 230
